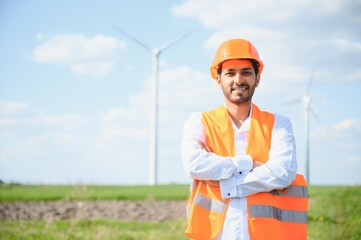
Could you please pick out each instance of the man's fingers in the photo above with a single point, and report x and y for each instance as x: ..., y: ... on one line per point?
x: 257, y: 164
x: 203, y: 146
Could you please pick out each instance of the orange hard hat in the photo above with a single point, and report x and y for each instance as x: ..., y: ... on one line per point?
x: 235, y: 49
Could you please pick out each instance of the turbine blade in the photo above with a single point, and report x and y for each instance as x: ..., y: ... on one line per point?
x: 314, y: 114
x: 132, y: 38
x: 298, y: 100
x: 310, y: 83
x: 168, y: 45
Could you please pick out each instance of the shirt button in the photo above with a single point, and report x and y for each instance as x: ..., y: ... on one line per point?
x: 229, y: 194
x: 240, y: 172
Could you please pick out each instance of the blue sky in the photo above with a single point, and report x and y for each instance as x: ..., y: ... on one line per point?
x: 75, y: 92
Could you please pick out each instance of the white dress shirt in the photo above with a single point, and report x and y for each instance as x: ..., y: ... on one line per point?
x: 237, y: 179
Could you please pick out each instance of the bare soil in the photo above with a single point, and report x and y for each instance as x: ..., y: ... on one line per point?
x: 123, y: 210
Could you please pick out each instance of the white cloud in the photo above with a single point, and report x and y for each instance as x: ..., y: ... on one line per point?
x: 44, y: 139
x: 336, y: 148
x: 181, y: 90
x: 40, y: 36
x: 98, y: 69
x: 125, y: 133
x: 12, y: 107
x: 94, y: 56
x: 228, y: 13
x: 298, y: 35
x: 351, y: 124
x: 249, y: 33
x: 114, y: 115
x: 183, y: 87
x: 14, y: 117
x: 221, y: 14
x: 354, y: 76
x: 346, y: 44
x: 349, y: 128
x: 117, y: 124
x: 33, y: 134
x: 354, y: 159
x: 66, y: 121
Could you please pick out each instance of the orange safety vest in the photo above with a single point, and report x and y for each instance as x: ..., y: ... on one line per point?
x: 278, y: 214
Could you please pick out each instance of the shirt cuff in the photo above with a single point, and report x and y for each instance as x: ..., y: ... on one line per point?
x: 243, y: 163
x: 228, y: 187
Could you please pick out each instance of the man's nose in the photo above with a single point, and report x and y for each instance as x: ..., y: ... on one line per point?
x: 238, y: 79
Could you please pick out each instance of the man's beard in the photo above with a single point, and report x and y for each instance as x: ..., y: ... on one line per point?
x: 239, y: 99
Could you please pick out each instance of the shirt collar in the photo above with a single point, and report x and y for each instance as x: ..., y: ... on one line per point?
x: 245, y: 125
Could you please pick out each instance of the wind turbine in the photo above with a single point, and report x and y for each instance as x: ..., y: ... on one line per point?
x: 306, y: 100
x: 153, y: 151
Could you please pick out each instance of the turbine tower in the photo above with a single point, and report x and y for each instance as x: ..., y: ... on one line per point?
x: 306, y: 100
x: 153, y: 151
x: 307, y: 109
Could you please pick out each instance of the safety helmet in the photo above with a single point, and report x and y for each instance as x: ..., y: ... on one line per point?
x: 235, y: 49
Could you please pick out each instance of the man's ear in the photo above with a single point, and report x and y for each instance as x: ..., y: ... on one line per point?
x: 219, y: 82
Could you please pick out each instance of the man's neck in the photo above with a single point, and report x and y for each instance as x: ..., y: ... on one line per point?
x: 238, y: 112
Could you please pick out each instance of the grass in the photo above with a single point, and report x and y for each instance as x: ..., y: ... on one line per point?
x: 16, y: 192
x: 335, y: 213
x: 92, y: 229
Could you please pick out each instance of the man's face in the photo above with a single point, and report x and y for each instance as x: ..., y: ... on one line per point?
x: 238, y: 80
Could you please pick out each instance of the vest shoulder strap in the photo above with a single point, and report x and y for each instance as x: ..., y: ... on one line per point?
x: 260, y: 134
x: 219, y: 131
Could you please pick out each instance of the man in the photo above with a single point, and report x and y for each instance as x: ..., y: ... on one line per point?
x: 241, y: 160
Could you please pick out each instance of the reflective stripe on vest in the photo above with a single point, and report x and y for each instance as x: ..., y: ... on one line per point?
x: 279, y: 214
x: 292, y: 191
x: 209, y: 204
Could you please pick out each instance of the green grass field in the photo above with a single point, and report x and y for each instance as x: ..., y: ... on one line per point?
x: 335, y: 213
x: 94, y: 229
x: 14, y: 192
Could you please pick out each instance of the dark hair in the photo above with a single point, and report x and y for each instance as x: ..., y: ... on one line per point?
x: 255, y: 65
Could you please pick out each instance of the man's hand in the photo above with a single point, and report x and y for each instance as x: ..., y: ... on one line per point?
x: 257, y: 164
x: 204, y: 146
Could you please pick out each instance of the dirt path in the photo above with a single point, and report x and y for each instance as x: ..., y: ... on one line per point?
x: 123, y: 210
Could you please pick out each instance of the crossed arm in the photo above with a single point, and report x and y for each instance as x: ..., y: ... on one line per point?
x: 240, y: 176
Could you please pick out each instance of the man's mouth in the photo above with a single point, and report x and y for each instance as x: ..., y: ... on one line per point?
x: 241, y: 88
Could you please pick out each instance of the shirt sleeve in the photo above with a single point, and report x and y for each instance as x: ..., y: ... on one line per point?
x: 203, y: 165
x: 277, y: 173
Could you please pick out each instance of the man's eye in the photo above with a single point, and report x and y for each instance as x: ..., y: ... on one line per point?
x: 247, y: 73
x: 229, y: 73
